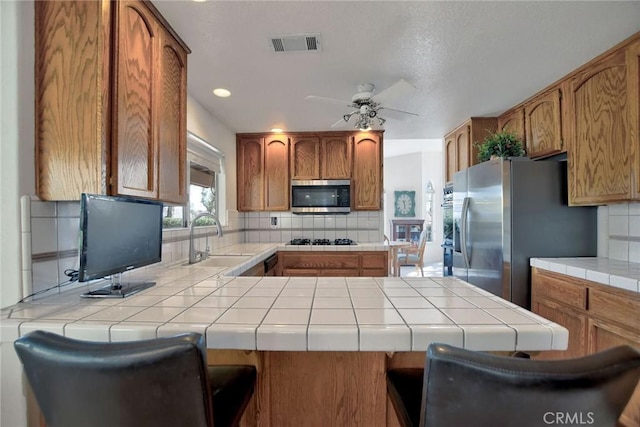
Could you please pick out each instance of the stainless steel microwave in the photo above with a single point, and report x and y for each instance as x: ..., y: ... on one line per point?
x: 331, y: 196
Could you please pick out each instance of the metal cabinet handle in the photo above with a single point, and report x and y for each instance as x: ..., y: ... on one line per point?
x: 463, y: 231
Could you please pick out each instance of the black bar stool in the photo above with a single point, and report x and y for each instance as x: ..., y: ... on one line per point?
x: 158, y: 382
x: 466, y: 388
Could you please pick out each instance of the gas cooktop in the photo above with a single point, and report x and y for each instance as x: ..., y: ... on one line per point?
x: 339, y: 242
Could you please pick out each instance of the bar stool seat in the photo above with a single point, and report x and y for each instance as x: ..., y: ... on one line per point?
x: 156, y: 383
x: 466, y: 388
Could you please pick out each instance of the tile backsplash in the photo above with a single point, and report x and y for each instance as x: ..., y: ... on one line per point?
x: 50, y: 241
x: 619, y: 232
x: 362, y: 227
x: 50, y: 236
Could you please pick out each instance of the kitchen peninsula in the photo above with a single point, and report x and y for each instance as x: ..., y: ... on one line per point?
x: 321, y: 345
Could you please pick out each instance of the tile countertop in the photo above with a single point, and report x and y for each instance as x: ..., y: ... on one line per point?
x: 292, y: 313
x: 619, y: 274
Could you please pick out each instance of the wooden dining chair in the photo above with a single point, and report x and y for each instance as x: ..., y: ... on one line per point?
x: 414, y: 254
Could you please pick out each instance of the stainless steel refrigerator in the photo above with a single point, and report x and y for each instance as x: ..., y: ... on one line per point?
x: 508, y: 211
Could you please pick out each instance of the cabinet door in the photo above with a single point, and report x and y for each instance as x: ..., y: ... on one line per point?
x: 305, y: 158
x: 600, y: 139
x: 575, y: 322
x: 250, y: 168
x: 449, y: 157
x: 135, y: 152
x: 463, y: 149
x: 172, y: 115
x: 604, y: 335
x: 633, y: 70
x: 72, y: 114
x: 276, y: 173
x: 366, y: 188
x: 513, y: 121
x: 335, y: 158
x: 544, y: 125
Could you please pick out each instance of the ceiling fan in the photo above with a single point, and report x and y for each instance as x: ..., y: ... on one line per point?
x: 367, y: 105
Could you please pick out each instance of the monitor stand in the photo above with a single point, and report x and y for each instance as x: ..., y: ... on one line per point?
x: 118, y: 289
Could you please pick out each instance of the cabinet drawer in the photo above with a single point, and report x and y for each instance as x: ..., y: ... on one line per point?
x: 561, y: 289
x: 320, y: 261
x: 616, y: 306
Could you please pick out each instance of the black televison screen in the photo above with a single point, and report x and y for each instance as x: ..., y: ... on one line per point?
x: 118, y: 234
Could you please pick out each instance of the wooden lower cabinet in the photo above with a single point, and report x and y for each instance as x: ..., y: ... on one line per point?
x: 333, y: 264
x: 609, y: 317
x: 575, y: 322
x: 319, y: 388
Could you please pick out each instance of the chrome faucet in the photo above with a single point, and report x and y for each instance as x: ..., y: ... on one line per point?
x: 196, y: 256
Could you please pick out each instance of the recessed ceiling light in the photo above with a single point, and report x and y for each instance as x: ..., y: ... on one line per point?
x: 199, y: 1
x: 276, y: 130
x: 222, y: 93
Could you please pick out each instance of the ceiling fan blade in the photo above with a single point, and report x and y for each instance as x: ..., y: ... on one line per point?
x: 392, y: 113
x: 340, y: 124
x: 324, y: 100
x: 398, y: 90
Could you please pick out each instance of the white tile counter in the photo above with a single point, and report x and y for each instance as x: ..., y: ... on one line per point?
x: 369, y: 318
x: 610, y: 272
x: 296, y: 313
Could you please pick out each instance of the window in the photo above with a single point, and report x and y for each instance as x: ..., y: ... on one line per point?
x: 428, y: 211
x: 205, y: 174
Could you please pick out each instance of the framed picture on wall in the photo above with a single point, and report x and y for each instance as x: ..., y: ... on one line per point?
x: 405, y: 203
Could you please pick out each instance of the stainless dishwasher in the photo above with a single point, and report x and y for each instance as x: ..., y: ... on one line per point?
x: 270, y: 265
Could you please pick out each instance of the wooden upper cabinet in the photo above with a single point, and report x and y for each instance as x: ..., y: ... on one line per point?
x: 543, y: 121
x: 513, y: 121
x: 110, y: 101
x: 633, y: 72
x: 305, y: 157
x: 72, y: 108
x: 263, y: 173
x: 135, y: 150
x: 250, y: 157
x: 601, y: 140
x: 335, y: 161
x: 366, y: 185
x: 267, y: 163
x: 172, y: 123
x: 276, y: 173
x: 463, y: 147
x: 459, y: 145
x: 449, y: 158
x: 320, y: 157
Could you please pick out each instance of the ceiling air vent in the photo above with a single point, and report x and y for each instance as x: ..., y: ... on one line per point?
x: 296, y: 43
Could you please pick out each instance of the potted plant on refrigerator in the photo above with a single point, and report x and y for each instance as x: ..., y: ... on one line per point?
x: 500, y: 144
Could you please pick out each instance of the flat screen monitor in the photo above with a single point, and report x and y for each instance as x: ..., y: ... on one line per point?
x: 118, y: 234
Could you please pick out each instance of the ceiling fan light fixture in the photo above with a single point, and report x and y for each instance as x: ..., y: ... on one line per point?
x: 221, y: 92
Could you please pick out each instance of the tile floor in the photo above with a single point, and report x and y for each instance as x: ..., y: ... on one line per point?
x: 433, y: 269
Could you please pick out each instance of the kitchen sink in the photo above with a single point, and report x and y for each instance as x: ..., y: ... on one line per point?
x: 222, y: 261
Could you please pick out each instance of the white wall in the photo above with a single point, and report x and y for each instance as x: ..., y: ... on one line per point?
x: 412, y: 172
x: 205, y: 125
x: 17, y: 173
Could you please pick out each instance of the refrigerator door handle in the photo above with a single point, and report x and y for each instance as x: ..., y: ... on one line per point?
x: 463, y: 231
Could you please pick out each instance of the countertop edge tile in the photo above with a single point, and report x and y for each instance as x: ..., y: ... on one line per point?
x: 605, y: 271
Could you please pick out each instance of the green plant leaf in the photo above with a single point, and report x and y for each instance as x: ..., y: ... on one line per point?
x: 502, y: 144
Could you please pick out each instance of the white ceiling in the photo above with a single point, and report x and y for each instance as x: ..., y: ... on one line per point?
x: 465, y: 59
